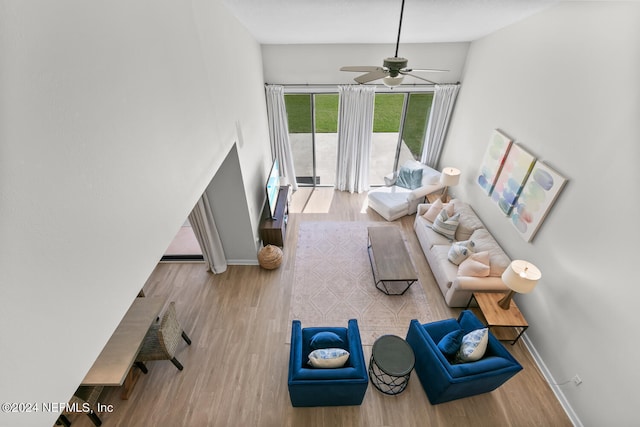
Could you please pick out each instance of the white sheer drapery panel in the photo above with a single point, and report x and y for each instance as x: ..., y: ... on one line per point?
x: 204, y: 227
x: 279, y: 133
x: 443, y: 101
x: 355, y: 131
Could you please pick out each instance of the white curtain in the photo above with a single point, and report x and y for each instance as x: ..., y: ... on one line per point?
x: 204, y: 227
x: 355, y: 130
x: 279, y: 134
x: 443, y: 101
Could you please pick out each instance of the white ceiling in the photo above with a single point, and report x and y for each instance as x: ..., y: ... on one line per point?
x: 376, y: 21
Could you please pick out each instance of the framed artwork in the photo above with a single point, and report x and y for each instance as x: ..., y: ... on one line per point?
x: 538, y: 195
x: 493, y: 160
x: 512, y: 177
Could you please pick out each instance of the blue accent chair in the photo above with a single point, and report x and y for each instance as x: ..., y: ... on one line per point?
x: 310, y: 386
x: 443, y: 381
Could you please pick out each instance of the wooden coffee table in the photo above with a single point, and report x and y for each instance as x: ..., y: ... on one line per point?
x: 390, y: 261
x: 496, y: 317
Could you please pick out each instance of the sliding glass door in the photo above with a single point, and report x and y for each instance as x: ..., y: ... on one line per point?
x: 399, y: 126
x: 416, y: 118
x: 313, y: 127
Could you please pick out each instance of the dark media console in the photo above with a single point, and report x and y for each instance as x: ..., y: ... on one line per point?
x: 273, y: 230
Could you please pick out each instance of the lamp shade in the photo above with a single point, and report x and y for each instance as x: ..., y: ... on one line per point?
x: 450, y: 177
x: 521, y: 276
x: 392, y: 81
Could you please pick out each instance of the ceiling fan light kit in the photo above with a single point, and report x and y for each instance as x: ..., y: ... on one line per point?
x: 393, y: 70
x: 392, y: 81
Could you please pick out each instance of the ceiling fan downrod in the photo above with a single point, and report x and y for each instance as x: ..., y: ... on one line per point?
x: 399, y: 28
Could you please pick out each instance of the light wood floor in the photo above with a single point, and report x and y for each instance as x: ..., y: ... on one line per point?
x: 236, y: 370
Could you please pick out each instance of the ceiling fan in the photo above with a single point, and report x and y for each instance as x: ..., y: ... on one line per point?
x: 393, y: 69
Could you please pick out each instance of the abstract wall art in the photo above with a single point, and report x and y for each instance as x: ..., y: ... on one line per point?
x: 538, y: 195
x: 511, y: 180
x: 493, y: 161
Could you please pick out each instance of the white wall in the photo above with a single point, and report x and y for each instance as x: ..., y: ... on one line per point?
x: 231, y: 213
x: 320, y: 64
x: 564, y: 84
x: 114, y: 117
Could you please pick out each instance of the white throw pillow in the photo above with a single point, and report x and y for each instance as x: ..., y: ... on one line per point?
x: 469, y: 244
x: 476, y: 265
x: 328, y: 358
x: 485, y: 242
x: 446, y: 225
x: 433, y: 211
x: 474, y: 344
x: 457, y: 253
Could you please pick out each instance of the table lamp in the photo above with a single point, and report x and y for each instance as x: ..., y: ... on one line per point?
x: 520, y: 276
x: 449, y: 177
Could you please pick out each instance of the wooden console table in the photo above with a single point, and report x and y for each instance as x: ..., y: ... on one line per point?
x: 497, y: 317
x: 113, y: 367
x: 273, y: 231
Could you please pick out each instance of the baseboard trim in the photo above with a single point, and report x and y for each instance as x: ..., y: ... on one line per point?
x: 551, y: 381
x: 242, y: 262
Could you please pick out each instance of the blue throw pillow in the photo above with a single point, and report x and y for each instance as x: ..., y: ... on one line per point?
x: 325, y: 339
x: 450, y: 343
x: 409, y: 178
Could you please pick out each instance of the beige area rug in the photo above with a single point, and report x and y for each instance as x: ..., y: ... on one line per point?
x: 333, y: 283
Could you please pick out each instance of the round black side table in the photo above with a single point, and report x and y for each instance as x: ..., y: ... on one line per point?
x: 391, y: 363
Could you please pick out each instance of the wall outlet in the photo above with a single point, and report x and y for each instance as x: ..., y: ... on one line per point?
x: 576, y: 379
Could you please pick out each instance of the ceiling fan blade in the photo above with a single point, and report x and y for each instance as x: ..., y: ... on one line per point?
x: 405, y: 73
x: 374, y: 75
x: 426, y: 70
x: 361, y: 68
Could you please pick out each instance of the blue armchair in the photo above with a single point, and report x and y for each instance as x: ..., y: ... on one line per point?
x: 326, y: 387
x: 443, y: 381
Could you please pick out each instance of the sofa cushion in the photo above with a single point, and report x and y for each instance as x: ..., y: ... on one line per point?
x: 325, y: 339
x: 390, y: 202
x: 448, y: 270
x: 446, y: 225
x: 328, y: 358
x: 498, y: 260
x: 409, y: 178
x: 469, y: 221
x: 476, y: 265
x: 474, y: 345
x: 427, y: 236
x: 430, y: 176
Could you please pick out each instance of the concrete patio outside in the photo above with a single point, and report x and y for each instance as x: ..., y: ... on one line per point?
x: 383, y: 151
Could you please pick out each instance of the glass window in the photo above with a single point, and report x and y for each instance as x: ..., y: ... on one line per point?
x: 415, y: 122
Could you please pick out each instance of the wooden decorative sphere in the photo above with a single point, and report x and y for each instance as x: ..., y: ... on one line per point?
x: 270, y: 257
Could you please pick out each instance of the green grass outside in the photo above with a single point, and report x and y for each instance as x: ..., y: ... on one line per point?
x: 387, y: 114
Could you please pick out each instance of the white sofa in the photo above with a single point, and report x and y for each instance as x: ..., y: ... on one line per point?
x: 456, y: 289
x: 393, y: 201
